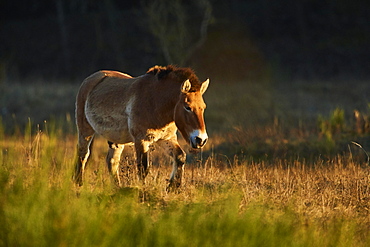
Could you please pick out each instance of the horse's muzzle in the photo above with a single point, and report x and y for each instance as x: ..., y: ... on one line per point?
x: 198, y: 140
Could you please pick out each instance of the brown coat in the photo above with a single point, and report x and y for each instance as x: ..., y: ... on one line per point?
x: 141, y: 110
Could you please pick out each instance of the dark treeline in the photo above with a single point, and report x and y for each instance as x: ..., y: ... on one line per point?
x: 73, y: 38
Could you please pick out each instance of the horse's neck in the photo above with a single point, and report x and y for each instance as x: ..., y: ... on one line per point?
x: 164, y: 103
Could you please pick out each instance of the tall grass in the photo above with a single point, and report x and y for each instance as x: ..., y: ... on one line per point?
x: 225, y: 202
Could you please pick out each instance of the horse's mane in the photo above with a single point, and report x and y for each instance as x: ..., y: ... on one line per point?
x: 176, y: 73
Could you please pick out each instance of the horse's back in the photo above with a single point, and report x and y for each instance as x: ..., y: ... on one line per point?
x: 116, y: 74
x: 95, y: 79
x: 91, y: 81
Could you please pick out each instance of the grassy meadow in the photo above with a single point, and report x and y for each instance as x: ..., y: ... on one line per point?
x: 263, y: 179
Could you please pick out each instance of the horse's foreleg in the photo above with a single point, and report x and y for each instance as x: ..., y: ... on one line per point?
x: 113, y: 161
x: 83, y: 153
x: 142, y: 149
x: 178, y: 159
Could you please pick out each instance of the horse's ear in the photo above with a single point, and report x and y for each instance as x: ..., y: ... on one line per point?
x: 204, y: 86
x: 186, y: 85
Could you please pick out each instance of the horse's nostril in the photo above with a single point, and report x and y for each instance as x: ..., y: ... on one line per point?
x: 204, y: 141
x: 200, y: 142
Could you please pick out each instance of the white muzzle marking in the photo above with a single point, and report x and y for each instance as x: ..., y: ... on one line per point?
x: 198, y: 138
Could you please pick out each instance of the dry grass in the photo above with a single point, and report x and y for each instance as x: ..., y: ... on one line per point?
x: 319, y: 190
x: 311, y: 197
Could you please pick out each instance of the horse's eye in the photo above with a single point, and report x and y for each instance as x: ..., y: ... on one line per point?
x: 188, y: 108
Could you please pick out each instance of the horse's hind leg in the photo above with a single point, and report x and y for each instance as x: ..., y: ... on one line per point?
x: 113, y: 161
x: 83, y: 153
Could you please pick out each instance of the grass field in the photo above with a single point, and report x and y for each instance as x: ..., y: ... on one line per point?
x: 280, y: 183
x: 228, y: 202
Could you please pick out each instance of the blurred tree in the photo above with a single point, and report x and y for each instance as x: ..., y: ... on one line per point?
x: 64, y: 35
x: 303, y: 39
x: 171, y: 21
x: 79, y: 6
x: 112, y: 13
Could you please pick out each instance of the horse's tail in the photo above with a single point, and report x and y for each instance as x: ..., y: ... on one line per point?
x: 85, y: 131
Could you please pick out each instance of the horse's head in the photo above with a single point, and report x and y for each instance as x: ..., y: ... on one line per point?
x: 189, y: 112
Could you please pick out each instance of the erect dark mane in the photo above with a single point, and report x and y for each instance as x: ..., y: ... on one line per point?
x: 176, y: 73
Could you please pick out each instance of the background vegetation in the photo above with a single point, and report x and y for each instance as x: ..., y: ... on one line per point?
x: 71, y: 39
x: 287, y: 163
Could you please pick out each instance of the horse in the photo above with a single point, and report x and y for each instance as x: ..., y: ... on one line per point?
x: 141, y: 110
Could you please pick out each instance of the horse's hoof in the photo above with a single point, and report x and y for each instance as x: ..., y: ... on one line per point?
x: 173, y: 186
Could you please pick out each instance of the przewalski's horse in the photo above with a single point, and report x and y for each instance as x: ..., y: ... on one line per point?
x: 140, y: 110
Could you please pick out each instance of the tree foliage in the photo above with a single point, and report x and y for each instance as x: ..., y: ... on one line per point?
x: 71, y: 38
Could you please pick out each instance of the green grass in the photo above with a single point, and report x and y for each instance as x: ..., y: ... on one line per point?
x: 38, y: 214
x: 222, y: 203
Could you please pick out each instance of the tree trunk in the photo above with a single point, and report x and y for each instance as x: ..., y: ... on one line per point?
x: 64, y: 36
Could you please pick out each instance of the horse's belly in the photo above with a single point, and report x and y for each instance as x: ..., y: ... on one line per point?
x: 113, y: 128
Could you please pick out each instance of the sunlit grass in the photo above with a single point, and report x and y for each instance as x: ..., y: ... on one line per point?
x: 228, y: 202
